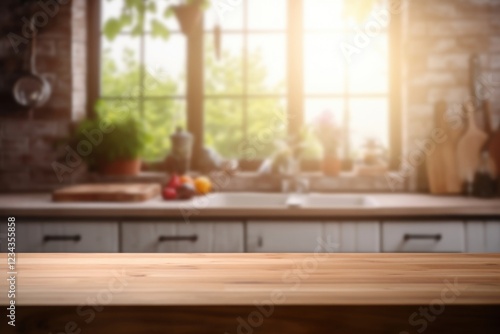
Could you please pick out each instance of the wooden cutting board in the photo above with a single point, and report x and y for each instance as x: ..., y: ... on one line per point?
x: 470, y: 146
x: 134, y: 192
x: 493, y: 141
x: 442, y: 168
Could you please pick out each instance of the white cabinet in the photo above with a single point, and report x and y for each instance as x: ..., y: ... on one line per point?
x: 483, y: 236
x: 66, y: 236
x: 354, y: 237
x: 423, y: 236
x: 182, y: 237
x: 284, y: 237
x: 312, y: 236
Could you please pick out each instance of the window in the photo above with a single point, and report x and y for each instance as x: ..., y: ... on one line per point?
x: 252, y: 89
x: 245, y: 88
x: 146, y: 75
x: 351, y: 85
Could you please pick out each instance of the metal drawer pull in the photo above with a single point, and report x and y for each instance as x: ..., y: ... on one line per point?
x: 436, y: 237
x: 192, y: 238
x: 75, y: 238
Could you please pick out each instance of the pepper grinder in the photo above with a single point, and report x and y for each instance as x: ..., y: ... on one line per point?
x: 484, y: 182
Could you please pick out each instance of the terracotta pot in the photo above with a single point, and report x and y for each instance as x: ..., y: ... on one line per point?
x: 121, y: 167
x: 331, y: 165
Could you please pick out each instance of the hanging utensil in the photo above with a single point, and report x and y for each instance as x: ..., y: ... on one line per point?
x: 32, y: 90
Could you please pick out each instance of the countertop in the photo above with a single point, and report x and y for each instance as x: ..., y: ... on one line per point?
x: 389, y: 205
x: 242, y: 279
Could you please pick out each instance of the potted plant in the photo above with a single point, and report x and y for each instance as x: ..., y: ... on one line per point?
x: 329, y: 133
x: 111, y: 146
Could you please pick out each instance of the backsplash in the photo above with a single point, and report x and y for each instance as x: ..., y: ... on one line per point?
x: 248, y: 181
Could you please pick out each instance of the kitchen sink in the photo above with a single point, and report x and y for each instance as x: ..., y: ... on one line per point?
x: 284, y: 201
x: 337, y: 201
x: 246, y: 200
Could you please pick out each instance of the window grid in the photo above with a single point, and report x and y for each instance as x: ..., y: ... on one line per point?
x: 346, y: 95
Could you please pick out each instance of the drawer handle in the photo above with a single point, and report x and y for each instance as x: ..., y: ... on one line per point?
x: 49, y: 238
x: 436, y: 237
x: 165, y: 238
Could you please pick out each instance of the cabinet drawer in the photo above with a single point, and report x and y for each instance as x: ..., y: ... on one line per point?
x: 353, y: 237
x: 483, y: 236
x: 423, y: 237
x: 70, y: 237
x: 283, y: 237
x: 181, y: 237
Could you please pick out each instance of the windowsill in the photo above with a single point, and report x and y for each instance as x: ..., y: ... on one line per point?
x: 252, y: 181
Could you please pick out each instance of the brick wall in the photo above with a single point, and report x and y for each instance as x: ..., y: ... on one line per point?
x: 440, y: 36
x: 28, y: 141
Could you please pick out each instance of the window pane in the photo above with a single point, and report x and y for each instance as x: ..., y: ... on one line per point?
x: 120, y: 66
x: 266, y: 123
x: 323, y: 14
x: 112, y: 9
x: 118, y: 108
x: 229, y: 16
x: 324, y: 67
x: 368, y: 72
x: 266, y: 64
x: 368, y: 119
x: 165, y: 65
x: 158, y: 14
x: 161, y: 118
x: 315, y: 108
x: 224, y: 126
x: 265, y: 14
x: 224, y: 75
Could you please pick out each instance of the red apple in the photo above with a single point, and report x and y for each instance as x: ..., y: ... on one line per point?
x: 169, y: 193
x: 174, y: 182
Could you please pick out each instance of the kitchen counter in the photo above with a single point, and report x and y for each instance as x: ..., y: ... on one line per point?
x: 226, y: 293
x: 388, y: 205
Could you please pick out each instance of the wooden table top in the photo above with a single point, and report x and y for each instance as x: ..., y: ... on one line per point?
x: 247, y: 279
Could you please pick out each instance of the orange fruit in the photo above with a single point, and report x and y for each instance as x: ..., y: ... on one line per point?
x: 203, y: 185
x: 186, y: 179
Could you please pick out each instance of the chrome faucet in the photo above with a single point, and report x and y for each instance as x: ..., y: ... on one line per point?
x: 291, y: 180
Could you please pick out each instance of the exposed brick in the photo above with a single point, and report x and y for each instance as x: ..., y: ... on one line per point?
x: 46, y: 47
x: 20, y: 144
x: 433, y: 78
x: 494, y: 44
x: 459, y: 28
x: 448, y: 61
x: 11, y: 179
x: 495, y: 61
x: 12, y: 160
x: 444, y: 45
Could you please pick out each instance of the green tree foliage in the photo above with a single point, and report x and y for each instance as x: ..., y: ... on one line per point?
x: 225, y: 129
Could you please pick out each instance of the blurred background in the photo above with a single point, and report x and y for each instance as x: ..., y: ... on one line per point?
x: 249, y: 75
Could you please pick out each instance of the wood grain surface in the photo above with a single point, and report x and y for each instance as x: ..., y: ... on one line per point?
x: 469, y: 147
x: 275, y: 319
x: 136, y: 192
x: 442, y: 166
x: 241, y: 279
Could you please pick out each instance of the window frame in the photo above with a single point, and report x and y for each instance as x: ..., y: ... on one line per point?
x: 295, y: 95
